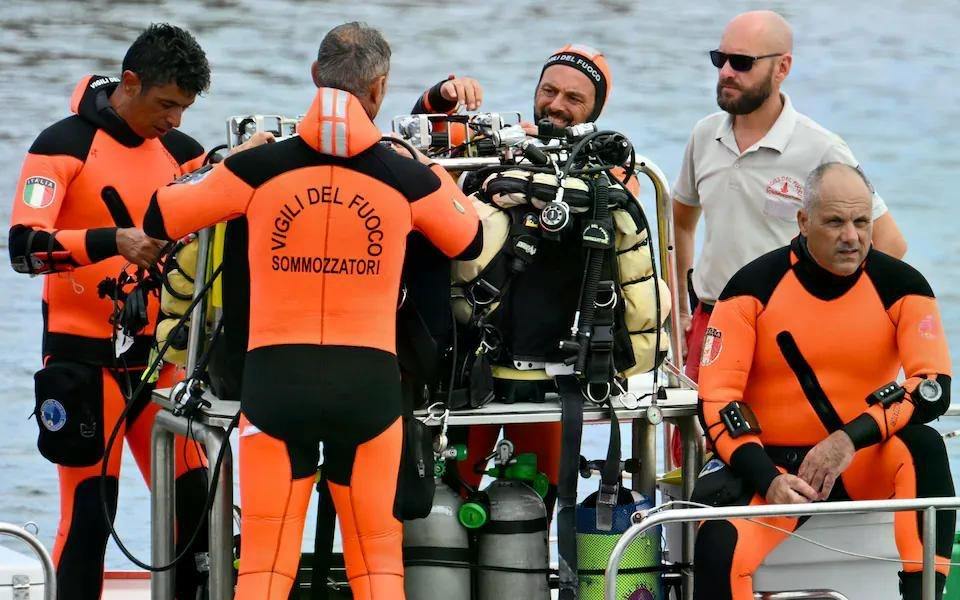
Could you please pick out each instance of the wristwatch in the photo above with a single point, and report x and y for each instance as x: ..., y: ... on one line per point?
x: 930, y: 390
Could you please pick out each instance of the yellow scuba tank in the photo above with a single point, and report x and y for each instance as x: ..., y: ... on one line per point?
x: 176, y: 293
x: 170, y: 329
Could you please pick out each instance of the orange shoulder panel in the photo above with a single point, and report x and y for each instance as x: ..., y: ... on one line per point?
x: 446, y: 216
x: 195, y: 201
x: 923, y: 351
x: 728, y: 352
x: 41, y: 190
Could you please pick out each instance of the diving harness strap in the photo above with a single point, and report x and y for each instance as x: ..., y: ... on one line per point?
x: 591, y: 346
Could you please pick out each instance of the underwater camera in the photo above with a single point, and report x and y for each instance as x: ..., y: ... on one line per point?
x: 242, y: 127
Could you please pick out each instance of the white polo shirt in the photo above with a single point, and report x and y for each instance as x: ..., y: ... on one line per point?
x: 750, y: 200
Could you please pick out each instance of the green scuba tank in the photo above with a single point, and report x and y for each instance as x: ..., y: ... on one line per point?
x: 436, y: 549
x: 511, y: 520
x: 639, y: 577
x: 952, y: 589
x: 601, y: 520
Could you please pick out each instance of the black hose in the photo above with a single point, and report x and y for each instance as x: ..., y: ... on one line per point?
x: 591, y: 279
x: 116, y: 430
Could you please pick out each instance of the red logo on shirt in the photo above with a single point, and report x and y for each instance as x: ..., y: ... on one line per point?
x: 786, y: 187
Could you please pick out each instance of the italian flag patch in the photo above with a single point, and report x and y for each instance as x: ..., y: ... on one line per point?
x: 38, y: 192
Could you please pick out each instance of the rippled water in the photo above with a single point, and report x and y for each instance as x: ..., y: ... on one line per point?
x: 883, y: 74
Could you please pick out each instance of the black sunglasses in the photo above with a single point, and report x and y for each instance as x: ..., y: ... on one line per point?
x: 738, y: 62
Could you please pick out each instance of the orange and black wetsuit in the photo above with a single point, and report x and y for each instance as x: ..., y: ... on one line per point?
x: 328, y: 215
x: 804, y: 349
x: 83, y: 177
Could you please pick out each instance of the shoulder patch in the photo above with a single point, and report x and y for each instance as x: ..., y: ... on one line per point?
x: 195, y: 176
x: 712, y: 346
x: 760, y: 277
x: 893, y: 279
x: 181, y: 146
x: 39, y: 192
x: 72, y: 136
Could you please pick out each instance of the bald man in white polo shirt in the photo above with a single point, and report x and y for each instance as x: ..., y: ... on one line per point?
x: 744, y: 168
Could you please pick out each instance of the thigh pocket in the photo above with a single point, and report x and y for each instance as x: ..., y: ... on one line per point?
x: 415, y: 482
x: 718, y: 485
x: 69, y: 412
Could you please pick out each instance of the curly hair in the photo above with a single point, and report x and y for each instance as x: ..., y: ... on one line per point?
x: 163, y: 54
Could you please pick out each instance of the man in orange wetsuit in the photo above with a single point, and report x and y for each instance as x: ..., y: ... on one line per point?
x: 574, y: 85
x: 797, y: 392
x: 85, y: 183
x: 327, y: 215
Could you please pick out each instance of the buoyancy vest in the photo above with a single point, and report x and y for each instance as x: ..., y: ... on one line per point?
x: 327, y: 216
x: 532, y: 310
x: 84, y: 177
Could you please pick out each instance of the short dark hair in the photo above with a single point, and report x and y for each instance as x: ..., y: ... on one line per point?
x: 351, y: 56
x: 163, y: 54
x: 811, y: 187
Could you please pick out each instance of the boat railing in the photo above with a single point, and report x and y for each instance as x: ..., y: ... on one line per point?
x: 645, y: 520
x: 49, y: 573
x: 800, y: 595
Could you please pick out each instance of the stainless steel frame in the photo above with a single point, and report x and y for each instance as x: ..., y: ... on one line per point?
x: 198, y: 315
x: 162, y: 502
x: 668, y: 254
x: 929, y: 506
x: 49, y: 573
x: 800, y: 595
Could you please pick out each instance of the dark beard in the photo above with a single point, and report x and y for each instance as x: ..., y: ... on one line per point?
x: 749, y: 101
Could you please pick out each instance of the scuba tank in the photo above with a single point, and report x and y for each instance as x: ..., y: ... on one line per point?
x: 511, y: 521
x: 436, y: 549
x: 640, y: 574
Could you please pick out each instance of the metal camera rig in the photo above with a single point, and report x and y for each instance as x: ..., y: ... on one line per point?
x: 469, y: 142
x: 461, y: 136
x: 241, y: 128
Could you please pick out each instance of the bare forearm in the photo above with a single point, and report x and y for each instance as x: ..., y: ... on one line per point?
x: 685, y: 242
x: 685, y: 227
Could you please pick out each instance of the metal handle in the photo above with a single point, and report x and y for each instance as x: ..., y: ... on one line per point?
x: 929, y: 506
x: 49, y: 573
x: 198, y: 316
x: 800, y: 595
x: 666, y: 244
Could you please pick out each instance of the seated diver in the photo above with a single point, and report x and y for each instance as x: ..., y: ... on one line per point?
x: 328, y: 213
x: 797, y: 395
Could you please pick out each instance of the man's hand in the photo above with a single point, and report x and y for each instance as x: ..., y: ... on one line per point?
x: 529, y: 128
x: 137, y: 247
x: 257, y: 139
x: 826, y: 461
x: 686, y: 323
x: 790, y: 489
x: 465, y: 91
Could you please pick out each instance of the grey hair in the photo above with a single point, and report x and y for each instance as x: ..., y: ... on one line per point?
x: 351, y: 57
x: 811, y: 188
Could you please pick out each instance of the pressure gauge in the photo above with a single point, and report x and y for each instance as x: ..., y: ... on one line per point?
x: 930, y: 390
